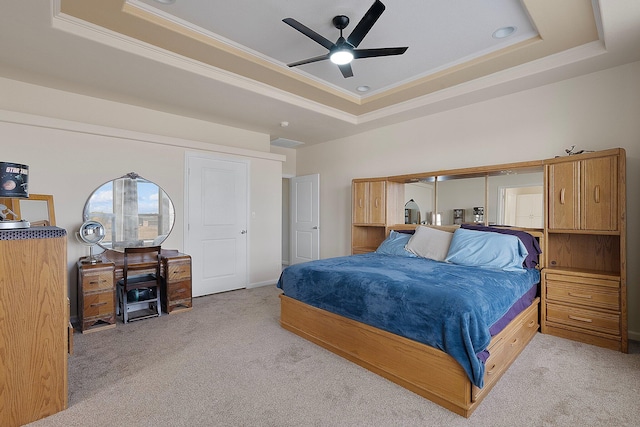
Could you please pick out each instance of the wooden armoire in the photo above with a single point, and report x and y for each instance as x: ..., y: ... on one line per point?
x: 34, y: 318
x: 584, y: 287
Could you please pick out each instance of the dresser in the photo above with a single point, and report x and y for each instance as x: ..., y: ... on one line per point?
x: 97, y: 287
x: 34, y: 319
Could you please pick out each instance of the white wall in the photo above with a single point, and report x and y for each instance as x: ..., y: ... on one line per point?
x: 70, y: 159
x: 594, y: 112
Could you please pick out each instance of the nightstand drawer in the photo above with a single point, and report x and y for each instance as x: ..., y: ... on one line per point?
x: 97, y: 280
x: 585, y: 295
x: 98, y: 304
x: 608, y: 323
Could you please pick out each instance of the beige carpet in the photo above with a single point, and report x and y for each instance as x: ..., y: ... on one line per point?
x: 228, y: 363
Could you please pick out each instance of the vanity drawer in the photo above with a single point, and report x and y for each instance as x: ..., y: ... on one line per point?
x: 178, y: 270
x: 97, y: 280
x: 98, y: 304
x: 608, y: 323
x: 179, y: 290
x: 583, y: 294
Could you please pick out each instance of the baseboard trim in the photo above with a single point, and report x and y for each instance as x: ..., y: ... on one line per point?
x: 259, y: 284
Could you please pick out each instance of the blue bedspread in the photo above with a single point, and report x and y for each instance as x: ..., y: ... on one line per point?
x: 446, y: 306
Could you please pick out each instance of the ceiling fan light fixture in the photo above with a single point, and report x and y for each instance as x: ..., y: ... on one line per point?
x: 341, y: 56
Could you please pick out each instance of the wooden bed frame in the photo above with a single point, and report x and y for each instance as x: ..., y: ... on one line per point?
x: 420, y: 368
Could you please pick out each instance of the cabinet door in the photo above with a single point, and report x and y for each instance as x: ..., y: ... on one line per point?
x: 599, y: 194
x: 360, y: 199
x: 563, y: 196
x: 377, y: 203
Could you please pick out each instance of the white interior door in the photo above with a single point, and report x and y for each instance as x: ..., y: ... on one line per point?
x: 216, y: 235
x: 305, y: 218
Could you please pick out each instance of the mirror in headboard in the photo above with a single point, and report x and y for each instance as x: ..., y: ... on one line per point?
x: 134, y: 212
x: 510, y: 194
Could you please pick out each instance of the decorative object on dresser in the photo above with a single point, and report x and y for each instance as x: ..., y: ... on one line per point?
x: 14, y: 184
x: 584, y: 288
x: 91, y: 233
x: 34, y: 318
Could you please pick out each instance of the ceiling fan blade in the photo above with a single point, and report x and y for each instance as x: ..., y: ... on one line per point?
x: 346, y: 70
x: 309, y: 32
x: 366, y: 23
x: 310, y: 60
x: 384, y: 51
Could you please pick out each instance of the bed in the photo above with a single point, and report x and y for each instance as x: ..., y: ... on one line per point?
x: 439, y: 318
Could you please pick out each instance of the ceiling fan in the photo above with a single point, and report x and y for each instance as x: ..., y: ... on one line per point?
x: 343, y: 51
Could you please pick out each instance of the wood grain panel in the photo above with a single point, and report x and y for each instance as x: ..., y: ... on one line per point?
x: 33, y: 329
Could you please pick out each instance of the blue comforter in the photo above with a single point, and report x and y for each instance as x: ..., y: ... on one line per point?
x: 446, y: 306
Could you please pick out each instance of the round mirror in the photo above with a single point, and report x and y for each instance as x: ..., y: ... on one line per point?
x: 134, y: 212
x: 91, y: 233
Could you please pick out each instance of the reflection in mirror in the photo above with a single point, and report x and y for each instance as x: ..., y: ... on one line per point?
x: 423, y: 195
x: 517, y: 199
x: 460, y: 196
x: 411, y: 212
x: 134, y: 211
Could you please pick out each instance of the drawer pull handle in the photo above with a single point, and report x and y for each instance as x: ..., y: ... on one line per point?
x: 98, y: 304
x: 573, y: 294
x: 514, y: 342
x: 179, y: 291
x: 531, y: 323
x: 596, y: 194
x: 562, y: 196
x: 95, y: 282
x: 490, y: 371
x: 360, y: 202
x: 580, y: 319
x: 377, y: 202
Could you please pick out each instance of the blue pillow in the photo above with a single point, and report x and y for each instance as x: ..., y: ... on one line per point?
x: 394, y: 245
x: 530, y: 242
x: 487, y: 250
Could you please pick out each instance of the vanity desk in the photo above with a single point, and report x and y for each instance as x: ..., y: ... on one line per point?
x: 97, y: 287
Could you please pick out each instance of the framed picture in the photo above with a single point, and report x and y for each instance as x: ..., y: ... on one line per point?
x: 38, y: 209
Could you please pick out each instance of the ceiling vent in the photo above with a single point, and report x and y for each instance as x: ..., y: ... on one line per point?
x: 286, y: 143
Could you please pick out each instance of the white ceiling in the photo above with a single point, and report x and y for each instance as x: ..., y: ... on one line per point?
x: 226, y: 61
x: 439, y: 34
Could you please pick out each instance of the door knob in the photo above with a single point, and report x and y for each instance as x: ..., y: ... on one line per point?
x: 315, y: 227
x: 243, y: 232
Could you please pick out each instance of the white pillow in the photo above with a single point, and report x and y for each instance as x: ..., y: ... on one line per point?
x: 430, y: 243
